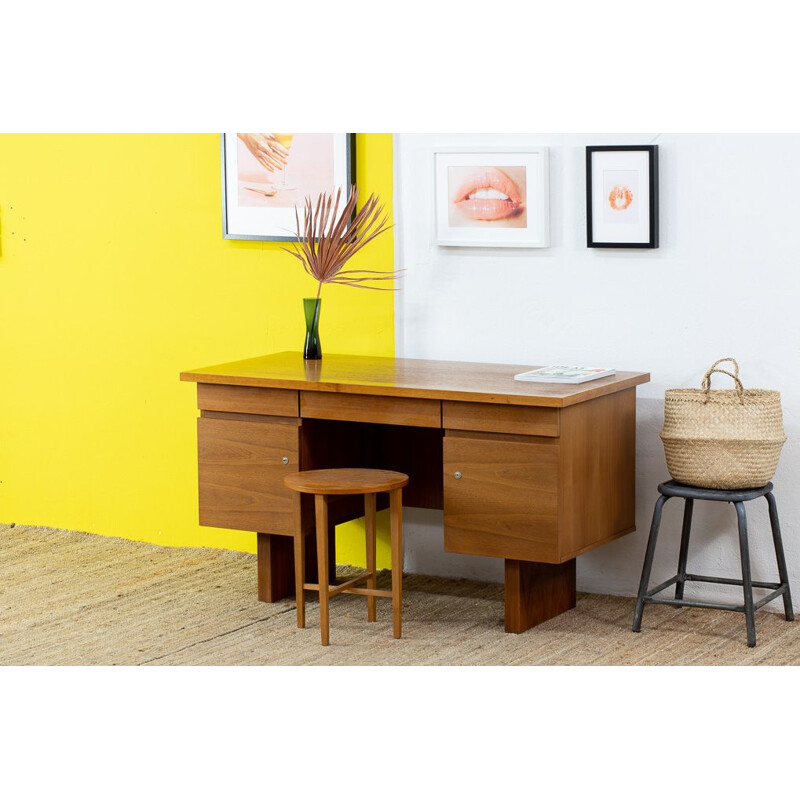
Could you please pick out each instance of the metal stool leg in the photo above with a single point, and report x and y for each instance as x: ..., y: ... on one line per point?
x: 782, y: 572
x: 648, y: 562
x: 747, y: 583
x: 684, y: 551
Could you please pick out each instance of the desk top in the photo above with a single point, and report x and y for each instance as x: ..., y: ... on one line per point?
x: 406, y: 377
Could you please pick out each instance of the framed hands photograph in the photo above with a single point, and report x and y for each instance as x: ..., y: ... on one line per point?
x: 266, y: 175
x: 492, y: 198
x: 622, y: 196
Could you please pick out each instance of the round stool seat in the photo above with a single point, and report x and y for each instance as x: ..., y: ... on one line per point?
x: 675, y: 489
x: 345, y: 481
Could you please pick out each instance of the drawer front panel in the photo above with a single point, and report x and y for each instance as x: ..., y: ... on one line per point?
x: 505, y: 502
x: 241, y: 474
x: 492, y: 418
x: 247, y: 400
x: 417, y: 412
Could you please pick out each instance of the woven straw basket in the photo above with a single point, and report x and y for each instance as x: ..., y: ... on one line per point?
x: 722, y: 439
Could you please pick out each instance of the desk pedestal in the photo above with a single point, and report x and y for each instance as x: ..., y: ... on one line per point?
x: 276, y: 564
x: 537, y: 592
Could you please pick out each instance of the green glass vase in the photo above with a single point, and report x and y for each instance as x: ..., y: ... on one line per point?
x: 311, y: 308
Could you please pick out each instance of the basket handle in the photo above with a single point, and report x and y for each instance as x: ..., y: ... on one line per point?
x: 721, y: 361
x: 713, y: 368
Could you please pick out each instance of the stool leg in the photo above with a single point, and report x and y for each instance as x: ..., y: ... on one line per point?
x: 648, y: 562
x: 782, y: 572
x: 321, y: 506
x: 396, y: 514
x: 747, y: 583
x: 684, y: 551
x: 371, y: 525
x: 300, y: 577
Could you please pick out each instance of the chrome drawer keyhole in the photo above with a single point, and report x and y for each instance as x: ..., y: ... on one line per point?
x: 457, y: 476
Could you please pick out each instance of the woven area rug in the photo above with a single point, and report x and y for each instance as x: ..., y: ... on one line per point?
x: 70, y: 598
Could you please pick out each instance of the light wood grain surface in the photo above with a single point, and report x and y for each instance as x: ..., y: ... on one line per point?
x: 346, y: 481
x: 403, y: 377
x: 240, y: 475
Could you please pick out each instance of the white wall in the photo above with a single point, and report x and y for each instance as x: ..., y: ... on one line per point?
x: 725, y: 281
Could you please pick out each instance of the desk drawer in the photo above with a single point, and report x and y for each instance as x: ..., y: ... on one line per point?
x: 416, y: 412
x: 247, y: 400
x: 492, y: 418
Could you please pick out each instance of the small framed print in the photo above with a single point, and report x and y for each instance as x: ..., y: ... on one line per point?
x: 622, y: 196
x: 265, y: 176
x: 492, y: 197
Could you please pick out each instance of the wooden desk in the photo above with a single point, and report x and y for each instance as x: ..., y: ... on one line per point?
x: 532, y: 473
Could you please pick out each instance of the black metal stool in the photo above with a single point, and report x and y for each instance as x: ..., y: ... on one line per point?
x: 738, y: 497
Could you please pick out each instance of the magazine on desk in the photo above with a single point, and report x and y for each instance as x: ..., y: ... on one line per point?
x: 562, y: 374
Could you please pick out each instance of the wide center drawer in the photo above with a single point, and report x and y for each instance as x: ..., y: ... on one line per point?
x: 418, y: 412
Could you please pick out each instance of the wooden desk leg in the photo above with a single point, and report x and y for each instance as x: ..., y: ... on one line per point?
x: 276, y: 565
x: 537, y: 592
x: 311, y: 556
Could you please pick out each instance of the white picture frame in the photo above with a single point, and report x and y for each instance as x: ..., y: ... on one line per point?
x: 492, y: 197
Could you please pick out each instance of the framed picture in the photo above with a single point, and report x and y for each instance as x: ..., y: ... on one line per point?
x: 266, y: 175
x: 622, y: 196
x: 492, y: 198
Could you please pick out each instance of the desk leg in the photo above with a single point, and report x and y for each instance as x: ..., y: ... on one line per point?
x: 275, y: 567
x: 537, y: 592
x: 276, y: 564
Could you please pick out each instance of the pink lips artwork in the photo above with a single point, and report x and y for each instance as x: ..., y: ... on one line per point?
x: 489, y: 194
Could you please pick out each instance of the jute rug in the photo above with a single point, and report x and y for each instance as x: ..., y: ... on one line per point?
x: 70, y: 598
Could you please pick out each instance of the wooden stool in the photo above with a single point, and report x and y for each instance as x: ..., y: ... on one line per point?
x: 325, y: 482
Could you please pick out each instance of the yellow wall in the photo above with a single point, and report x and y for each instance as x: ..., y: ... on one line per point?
x: 114, y: 277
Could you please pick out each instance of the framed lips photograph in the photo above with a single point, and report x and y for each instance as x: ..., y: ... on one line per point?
x: 492, y: 198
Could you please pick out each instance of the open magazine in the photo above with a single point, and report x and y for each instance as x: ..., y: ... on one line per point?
x: 561, y: 374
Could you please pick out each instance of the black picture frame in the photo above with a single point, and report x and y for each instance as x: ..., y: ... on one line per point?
x: 594, y: 237
x: 265, y: 231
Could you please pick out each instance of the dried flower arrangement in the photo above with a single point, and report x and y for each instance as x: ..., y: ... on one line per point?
x: 326, y: 243
x: 327, y: 240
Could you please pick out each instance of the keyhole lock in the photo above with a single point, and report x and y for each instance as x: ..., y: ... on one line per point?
x: 457, y: 476
x: 285, y: 459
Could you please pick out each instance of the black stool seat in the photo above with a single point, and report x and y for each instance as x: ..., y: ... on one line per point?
x: 738, y: 497
x: 675, y: 489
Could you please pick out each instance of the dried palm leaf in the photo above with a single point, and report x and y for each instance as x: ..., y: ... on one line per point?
x: 329, y: 238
